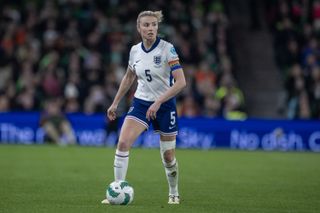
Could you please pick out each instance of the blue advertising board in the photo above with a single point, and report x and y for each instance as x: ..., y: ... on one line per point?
x: 199, y: 133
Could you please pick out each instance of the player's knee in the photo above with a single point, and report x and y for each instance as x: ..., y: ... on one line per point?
x: 123, y: 146
x: 168, y: 156
x: 167, y: 150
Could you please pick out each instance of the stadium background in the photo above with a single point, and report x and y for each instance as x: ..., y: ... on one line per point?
x: 242, y: 60
x: 252, y: 68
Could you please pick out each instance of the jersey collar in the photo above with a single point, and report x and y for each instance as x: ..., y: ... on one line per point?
x: 155, y: 44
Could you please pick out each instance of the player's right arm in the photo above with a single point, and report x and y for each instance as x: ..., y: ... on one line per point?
x: 125, y: 84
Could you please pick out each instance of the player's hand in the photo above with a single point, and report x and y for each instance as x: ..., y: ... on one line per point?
x: 112, y: 112
x: 152, y: 111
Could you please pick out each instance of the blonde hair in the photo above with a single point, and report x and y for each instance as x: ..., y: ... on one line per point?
x: 157, y: 14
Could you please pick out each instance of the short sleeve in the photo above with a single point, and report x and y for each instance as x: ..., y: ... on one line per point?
x: 131, y: 59
x: 173, y: 58
x: 172, y: 53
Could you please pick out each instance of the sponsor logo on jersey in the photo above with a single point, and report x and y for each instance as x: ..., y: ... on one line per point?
x: 135, y: 64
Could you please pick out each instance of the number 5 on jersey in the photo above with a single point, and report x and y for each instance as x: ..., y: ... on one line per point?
x: 149, y: 77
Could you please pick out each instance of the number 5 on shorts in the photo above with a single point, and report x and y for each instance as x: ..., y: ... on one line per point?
x: 172, y: 118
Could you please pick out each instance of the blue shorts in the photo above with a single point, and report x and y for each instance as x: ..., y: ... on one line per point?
x: 166, y: 119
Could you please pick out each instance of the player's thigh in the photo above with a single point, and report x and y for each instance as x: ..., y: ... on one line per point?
x: 130, y: 131
x: 166, y: 121
x: 165, y: 138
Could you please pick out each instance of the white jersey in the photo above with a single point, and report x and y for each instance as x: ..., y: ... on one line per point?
x: 152, y: 68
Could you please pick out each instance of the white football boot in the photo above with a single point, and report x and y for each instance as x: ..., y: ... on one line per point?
x: 105, y: 201
x: 174, y: 199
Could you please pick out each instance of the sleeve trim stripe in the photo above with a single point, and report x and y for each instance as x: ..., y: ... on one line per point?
x: 173, y: 68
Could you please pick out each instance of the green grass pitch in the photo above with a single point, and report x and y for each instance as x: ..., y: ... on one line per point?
x: 73, y: 179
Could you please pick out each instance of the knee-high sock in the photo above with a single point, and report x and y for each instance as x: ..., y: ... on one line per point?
x: 171, y: 170
x: 121, y: 161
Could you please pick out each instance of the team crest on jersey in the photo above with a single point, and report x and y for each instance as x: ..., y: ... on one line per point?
x: 157, y: 60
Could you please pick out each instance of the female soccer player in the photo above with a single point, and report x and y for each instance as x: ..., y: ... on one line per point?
x: 160, y: 78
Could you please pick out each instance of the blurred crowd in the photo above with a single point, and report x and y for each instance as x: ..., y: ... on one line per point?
x: 76, y: 52
x: 296, y: 28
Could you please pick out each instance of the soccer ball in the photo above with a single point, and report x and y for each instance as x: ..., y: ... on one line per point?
x: 120, y: 193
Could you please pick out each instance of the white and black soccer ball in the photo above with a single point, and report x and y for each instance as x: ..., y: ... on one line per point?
x: 120, y: 193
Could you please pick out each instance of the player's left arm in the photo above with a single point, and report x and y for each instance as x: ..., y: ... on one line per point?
x: 180, y: 83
